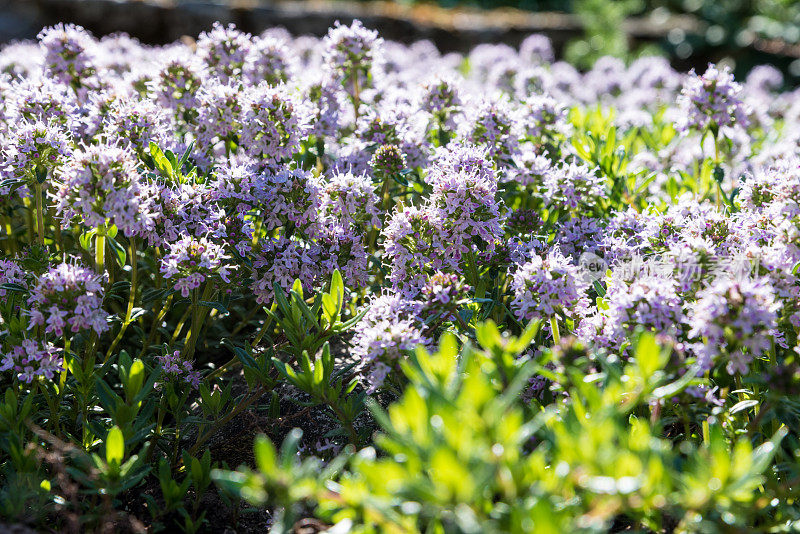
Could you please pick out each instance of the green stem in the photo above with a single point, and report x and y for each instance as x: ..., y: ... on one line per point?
x: 179, y: 328
x: 198, y: 318
x: 246, y: 320
x: 154, y: 327
x: 320, y: 154
x: 39, y: 214
x: 100, y: 253
x: 131, y: 299
x: 716, y: 163
x: 162, y: 406
x: 29, y: 220
x: 554, y: 329
x: 265, y: 326
x: 356, y: 95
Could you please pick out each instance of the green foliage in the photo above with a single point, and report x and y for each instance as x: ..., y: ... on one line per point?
x: 604, y: 25
x: 308, y: 327
x: 458, y: 452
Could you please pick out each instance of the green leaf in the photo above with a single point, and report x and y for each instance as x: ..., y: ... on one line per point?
x: 488, y: 335
x: 119, y: 251
x: 648, y: 354
x: 85, y: 239
x: 337, y: 289
x: 763, y: 455
x: 13, y: 287
x: 675, y: 387
x: 216, y: 305
x: 135, y: 377
x: 115, y: 446
x: 400, y: 179
x: 601, y: 291
x: 185, y: 156
x: 743, y: 405
x: 719, y: 174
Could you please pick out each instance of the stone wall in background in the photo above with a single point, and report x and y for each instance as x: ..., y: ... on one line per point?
x: 162, y: 21
x: 458, y: 30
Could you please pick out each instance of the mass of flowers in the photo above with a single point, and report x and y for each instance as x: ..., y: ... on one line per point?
x: 268, y: 230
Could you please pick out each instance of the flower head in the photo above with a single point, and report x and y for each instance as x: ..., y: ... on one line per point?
x: 547, y: 285
x: 190, y: 261
x: 711, y: 101
x: 29, y: 360
x: 101, y: 186
x: 734, y: 320
x: 68, y: 298
x: 177, y: 369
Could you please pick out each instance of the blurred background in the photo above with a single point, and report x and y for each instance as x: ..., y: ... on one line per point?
x: 690, y: 33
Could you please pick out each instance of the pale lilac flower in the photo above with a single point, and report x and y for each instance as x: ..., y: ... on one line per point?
x: 70, y: 56
x: 543, y: 117
x: 468, y: 210
x: 537, y: 48
x: 387, y: 161
x: 530, y: 169
x: 441, y: 97
x: 547, y: 285
x: 176, y: 82
x: 326, y: 102
x: 274, y: 123
x: 381, y: 346
x: 573, y: 186
x: 190, y: 261
x: 224, y: 51
x: 176, y: 368
x: 219, y: 118
x: 391, y: 327
x: 101, y: 186
x: 35, y: 152
x: 348, y: 49
x: 11, y: 273
x: 349, y: 200
x: 271, y: 59
x: 290, y: 197
x: 282, y: 261
x: 137, y: 123
x: 343, y: 248
x: 493, y: 123
x: 649, y: 303
x: 68, y: 298
x: 30, y: 360
x: 734, y: 322
x: 412, y: 245
x: 710, y: 101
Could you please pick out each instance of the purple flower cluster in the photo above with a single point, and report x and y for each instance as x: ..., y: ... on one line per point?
x: 350, y: 48
x: 30, y: 360
x: 549, y: 285
x: 190, y: 261
x: 390, y: 328
x: 573, y: 185
x: 178, y: 369
x: 408, y: 169
x: 101, y: 186
x: 711, y: 101
x: 652, y: 304
x: 273, y: 124
x: 11, y: 273
x: 68, y: 298
x: 734, y: 321
x: 35, y: 151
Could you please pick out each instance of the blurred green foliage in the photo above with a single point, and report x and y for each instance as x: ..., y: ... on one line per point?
x: 459, y: 453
